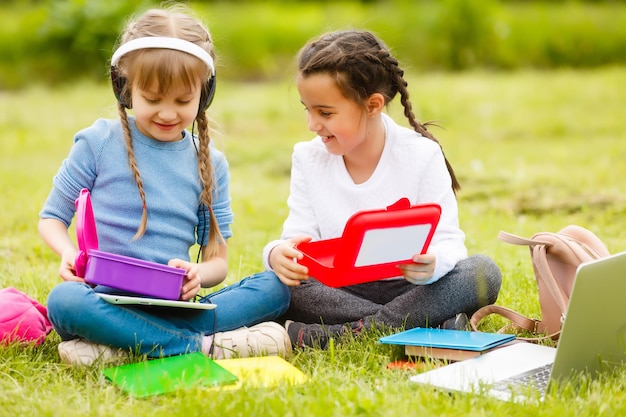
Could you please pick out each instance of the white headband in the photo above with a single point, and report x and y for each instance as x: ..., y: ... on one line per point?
x: 164, y: 43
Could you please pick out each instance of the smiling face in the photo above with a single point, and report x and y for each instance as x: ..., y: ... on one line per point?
x: 340, y: 122
x: 163, y: 115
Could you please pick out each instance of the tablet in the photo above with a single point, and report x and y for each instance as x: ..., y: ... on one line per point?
x: 373, y: 244
x: 144, y: 301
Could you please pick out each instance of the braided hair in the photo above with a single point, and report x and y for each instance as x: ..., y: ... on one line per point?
x: 362, y: 65
x: 169, y: 67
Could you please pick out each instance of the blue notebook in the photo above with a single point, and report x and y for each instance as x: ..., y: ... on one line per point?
x: 450, y: 339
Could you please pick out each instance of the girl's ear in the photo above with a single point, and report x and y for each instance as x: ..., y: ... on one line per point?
x: 375, y: 104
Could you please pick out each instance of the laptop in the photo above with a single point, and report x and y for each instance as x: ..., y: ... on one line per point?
x: 372, y: 245
x: 592, y: 341
x: 158, y: 302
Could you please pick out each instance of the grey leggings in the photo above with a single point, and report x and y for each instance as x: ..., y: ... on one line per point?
x: 473, y: 283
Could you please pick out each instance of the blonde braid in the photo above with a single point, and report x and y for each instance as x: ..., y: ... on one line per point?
x: 133, y: 166
x: 205, y: 169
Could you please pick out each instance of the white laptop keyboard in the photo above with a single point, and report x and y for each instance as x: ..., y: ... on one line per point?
x: 536, y: 378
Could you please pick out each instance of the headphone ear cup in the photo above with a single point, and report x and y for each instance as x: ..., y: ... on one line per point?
x: 119, y: 83
x: 207, y: 94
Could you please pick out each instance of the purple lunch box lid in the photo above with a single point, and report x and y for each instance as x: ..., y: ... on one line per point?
x: 137, y: 262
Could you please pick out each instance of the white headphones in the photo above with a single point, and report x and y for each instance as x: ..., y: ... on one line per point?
x: 163, y: 42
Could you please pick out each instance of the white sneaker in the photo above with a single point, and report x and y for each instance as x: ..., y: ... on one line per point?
x: 81, y: 352
x: 263, y: 339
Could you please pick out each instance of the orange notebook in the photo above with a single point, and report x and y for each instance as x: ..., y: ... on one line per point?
x: 450, y: 354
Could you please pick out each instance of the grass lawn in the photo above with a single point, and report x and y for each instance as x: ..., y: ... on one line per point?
x: 534, y: 151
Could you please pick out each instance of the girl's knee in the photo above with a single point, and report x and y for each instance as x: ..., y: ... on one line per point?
x: 275, y: 293
x: 269, y: 283
x: 488, y: 275
x: 67, y: 296
x: 486, y: 267
x: 275, y: 286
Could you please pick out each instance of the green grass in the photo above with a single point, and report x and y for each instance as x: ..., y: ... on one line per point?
x: 535, y: 151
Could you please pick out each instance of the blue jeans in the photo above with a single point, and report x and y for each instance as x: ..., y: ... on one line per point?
x: 75, y: 310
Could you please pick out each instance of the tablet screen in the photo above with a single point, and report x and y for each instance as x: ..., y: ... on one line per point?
x: 392, y: 244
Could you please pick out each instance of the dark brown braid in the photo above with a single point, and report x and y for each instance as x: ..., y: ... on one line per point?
x: 417, y: 126
x: 361, y: 65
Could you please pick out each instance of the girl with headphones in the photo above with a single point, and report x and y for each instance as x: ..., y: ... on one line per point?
x: 157, y: 189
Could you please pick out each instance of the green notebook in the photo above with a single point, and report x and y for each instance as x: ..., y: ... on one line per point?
x: 159, y: 376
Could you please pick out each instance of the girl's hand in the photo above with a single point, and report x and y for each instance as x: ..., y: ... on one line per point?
x: 54, y: 233
x: 421, y: 270
x: 67, y: 271
x: 284, y: 261
x: 192, y: 281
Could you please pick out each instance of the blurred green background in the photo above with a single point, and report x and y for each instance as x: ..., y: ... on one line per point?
x: 57, y: 41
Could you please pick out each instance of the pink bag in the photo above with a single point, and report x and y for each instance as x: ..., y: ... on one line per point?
x: 555, y: 258
x: 22, y: 318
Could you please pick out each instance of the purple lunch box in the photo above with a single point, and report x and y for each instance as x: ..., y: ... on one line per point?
x: 118, y: 271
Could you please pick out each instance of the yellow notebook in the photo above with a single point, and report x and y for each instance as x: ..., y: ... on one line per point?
x: 263, y: 371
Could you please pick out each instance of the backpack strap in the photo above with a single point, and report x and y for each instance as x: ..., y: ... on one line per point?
x: 544, y: 273
x: 518, y: 322
x: 539, y: 245
x: 522, y: 241
x: 538, y: 251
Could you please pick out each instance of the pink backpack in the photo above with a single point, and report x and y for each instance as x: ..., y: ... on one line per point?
x: 555, y: 258
x: 22, y: 318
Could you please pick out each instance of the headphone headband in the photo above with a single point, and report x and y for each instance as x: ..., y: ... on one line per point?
x: 164, y: 42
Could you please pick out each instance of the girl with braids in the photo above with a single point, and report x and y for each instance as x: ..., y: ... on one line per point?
x: 157, y: 190
x: 361, y: 159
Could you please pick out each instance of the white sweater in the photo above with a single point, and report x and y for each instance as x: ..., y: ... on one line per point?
x: 323, y: 196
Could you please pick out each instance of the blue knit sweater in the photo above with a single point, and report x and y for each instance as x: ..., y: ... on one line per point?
x: 169, y: 171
